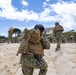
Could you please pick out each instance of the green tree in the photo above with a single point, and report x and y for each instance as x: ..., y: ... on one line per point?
x: 2, y: 37
x: 16, y: 31
x: 69, y: 34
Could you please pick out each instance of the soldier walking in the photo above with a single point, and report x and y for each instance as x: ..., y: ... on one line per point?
x: 58, y: 29
x: 10, y: 33
x: 32, y: 57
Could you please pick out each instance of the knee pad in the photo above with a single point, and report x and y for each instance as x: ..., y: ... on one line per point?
x: 46, y: 68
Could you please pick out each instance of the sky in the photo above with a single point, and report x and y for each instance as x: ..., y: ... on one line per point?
x: 27, y: 13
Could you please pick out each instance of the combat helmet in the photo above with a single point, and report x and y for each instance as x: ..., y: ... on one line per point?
x: 40, y: 27
x: 56, y: 23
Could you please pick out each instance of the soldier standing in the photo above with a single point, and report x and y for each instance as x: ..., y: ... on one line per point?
x: 32, y: 58
x: 58, y: 29
x: 10, y: 33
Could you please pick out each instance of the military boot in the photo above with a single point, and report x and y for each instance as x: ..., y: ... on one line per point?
x: 57, y: 49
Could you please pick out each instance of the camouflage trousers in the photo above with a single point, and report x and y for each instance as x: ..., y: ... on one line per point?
x: 28, y: 65
x: 58, y: 38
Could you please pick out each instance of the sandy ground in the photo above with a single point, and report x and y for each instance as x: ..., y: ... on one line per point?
x: 62, y: 62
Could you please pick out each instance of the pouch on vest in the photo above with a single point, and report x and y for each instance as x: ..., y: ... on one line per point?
x: 58, y: 28
x: 23, y: 46
x: 37, y: 48
x: 32, y: 36
x: 35, y: 36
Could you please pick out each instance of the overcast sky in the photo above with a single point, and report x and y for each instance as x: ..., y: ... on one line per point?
x: 28, y: 13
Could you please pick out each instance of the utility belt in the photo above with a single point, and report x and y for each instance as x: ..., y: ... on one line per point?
x: 36, y: 56
x: 32, y: 43
x: 27, y: 55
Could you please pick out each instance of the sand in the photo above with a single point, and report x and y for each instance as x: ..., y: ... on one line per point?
x: 62, y: 62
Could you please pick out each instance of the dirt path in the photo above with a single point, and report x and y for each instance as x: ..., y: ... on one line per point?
x: 62, y: 62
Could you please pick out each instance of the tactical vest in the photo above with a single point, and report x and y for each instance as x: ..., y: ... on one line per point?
x: 35, y: 35
x: 58, y: 28
x: 33, y: 44
x: 36, y: 49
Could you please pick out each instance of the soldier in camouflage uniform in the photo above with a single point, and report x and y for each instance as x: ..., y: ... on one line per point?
x: 58, y: 29
x: 10, y: 33
x: 32, y: 59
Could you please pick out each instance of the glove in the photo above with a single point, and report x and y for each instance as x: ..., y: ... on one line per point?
x: 37, y: 57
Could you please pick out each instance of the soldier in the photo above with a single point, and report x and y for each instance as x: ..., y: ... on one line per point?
x: 32, y: 58
x: 58, y: 29
x: 10, y: 33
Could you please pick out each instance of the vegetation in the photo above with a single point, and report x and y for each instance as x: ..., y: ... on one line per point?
x: 2, y: 37
x: 70, y: 35
x: 16, y: 31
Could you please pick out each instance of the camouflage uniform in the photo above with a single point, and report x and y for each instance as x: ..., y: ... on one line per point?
x: 58, y: 34
x: 58, y: 38
x: 31, y: 56
x: 28, y: 65
x: 10, y: 32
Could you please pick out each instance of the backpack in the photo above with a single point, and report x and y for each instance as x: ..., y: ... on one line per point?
x: 30, y: 36
x: 58, y: 28
x: 37, y: 49
x: 35, y: 36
